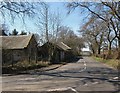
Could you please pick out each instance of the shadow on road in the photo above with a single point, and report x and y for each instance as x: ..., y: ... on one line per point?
x: 66, y: 91
x: 90, y: 75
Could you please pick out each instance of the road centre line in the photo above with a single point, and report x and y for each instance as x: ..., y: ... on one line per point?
x: 64, y: 89
x: 95, y: 83
x: 116, y: 78
x: 85, y: 67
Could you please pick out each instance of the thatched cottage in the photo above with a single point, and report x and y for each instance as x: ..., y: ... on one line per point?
x: 18, y: 48
x: 54, y: 52
x: 65, y: 51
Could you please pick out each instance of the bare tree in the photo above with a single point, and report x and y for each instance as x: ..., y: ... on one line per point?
x: 100, y: 10
x: 3, y: 29
x: 55, y: 21
x: 13, y: 9
x: 110, y: 38
x: 43, y: 22
x: 94, y: 32
x: 68, y: 36
x: 48, y: 23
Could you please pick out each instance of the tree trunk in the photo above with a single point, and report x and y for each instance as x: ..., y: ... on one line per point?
x: 99, y: 50
x: 93, y: 51
x: 118, y: 49
x: 109, y: 48
x: 46, y: 24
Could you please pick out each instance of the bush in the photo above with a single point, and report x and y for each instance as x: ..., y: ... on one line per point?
x: 23, y: 66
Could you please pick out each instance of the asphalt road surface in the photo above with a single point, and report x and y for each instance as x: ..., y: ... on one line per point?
x: 83, y: 75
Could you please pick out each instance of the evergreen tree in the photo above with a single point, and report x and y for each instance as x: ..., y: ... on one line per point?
x: 14, y: 32
x: 23, y: 33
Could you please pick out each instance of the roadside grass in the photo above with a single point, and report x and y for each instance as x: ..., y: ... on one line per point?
x: 26, y: 64
x: 111, y: 62
x: 23, y: 66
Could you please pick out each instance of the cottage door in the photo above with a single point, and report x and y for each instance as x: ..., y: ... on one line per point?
x: 62, y: 55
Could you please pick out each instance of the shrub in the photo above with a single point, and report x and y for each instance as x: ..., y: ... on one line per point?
x: 23, y: 66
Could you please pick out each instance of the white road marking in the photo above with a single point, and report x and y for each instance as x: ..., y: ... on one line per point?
x: 64, y: 89
x: 115, y: 77
x: 85, y: 84
x: 58, y: 89
x: 27, y: 79
x: 85, y: 67
x: 95, y: 83
x: 73, y: 89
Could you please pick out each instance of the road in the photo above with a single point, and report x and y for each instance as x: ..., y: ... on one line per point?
x: 83, y: 75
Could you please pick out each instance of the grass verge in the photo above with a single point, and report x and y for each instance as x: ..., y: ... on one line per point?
x: 111, y: 62
x: 23, y: 66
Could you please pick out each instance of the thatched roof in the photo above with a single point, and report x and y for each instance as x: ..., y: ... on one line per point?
x: 63, y: 46
x: 15, y: 42
x: 60, y: 45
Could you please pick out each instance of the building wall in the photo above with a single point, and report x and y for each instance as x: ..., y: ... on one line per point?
x: 32, y: 50
x: 58, y: 55
x: 62, y: 55
x: 49, y: 52
x: 14, y: 55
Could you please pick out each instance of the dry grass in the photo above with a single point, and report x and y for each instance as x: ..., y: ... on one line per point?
x: 111, y: 62
x: 23, y: 66
x: 31, y: 64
